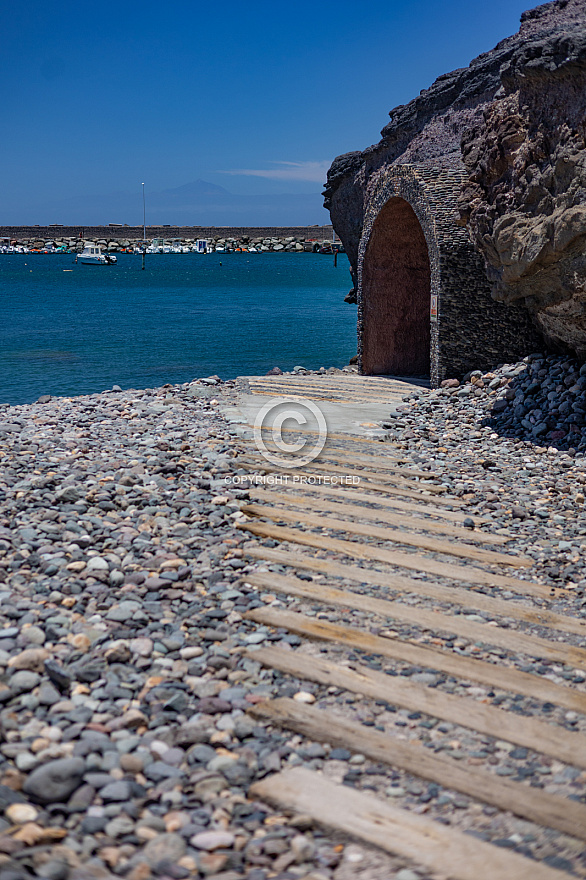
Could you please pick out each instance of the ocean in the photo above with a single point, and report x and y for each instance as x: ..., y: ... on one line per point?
x: 69, y: 329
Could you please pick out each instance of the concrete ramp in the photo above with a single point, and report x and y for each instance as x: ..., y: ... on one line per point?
x: 350, y: 403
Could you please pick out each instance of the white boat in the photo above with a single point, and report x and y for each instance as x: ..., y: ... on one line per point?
x: 92, y: 255
x: 7, y: 248
x: 158, y: 246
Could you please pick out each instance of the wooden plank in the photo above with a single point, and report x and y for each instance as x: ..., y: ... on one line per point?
x: 462, y: 667
x: 356, y: 384
x: 346, y: 440
x: 353, y: 389
x: 455, y: 595
x: 316, y: 394
x: 352, y: 383
x: 393, y: 466
x: 345, y: 393
x: 320, y: 725
x: 425, y: 507
x: 401, y: 832
x: 435, y: 621
x: 337, y: 395
x: 412, y: 561
x: 308, y: 473
x: 382, y: 460
x: 345, y: 379
x: 338, y: 453
x: 359, y: 679
x: 373, y: 515
x: 369, y: 476
x: 327, y: 455
x: 395, y: 536
x: 333, y: 395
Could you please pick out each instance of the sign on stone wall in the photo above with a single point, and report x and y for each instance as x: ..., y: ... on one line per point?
x: 433, y: 309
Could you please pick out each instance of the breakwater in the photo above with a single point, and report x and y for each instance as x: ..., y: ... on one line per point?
x: 166, y: 239
x: 114, y: 230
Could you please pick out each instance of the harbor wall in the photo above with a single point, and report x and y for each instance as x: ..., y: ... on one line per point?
x: 136, y: 232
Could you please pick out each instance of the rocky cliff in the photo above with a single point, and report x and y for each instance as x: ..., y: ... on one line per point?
x: 525, y: 203
x: 515, y: 120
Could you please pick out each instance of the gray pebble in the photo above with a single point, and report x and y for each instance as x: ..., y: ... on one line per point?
x: 55, y: 781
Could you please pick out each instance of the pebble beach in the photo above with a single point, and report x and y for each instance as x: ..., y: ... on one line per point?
x: 126, y: 746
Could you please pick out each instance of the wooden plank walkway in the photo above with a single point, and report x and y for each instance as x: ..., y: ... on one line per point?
x: 381, y: 516
x: 339, y: 387
x: 334, y: 549
x: 396, y: 536
x: 507, y: 609
x: 415, y: 837
x: 323, y: 726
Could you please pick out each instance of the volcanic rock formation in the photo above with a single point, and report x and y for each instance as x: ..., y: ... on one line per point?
x: 515, y: 122
x: 525, y: 203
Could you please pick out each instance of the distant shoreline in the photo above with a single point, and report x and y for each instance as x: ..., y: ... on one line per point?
x: 136, y: 232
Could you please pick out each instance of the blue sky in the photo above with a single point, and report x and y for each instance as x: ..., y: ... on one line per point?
x: 257, y: 98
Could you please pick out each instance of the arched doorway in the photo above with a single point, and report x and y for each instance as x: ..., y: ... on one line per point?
x: 396, y: 290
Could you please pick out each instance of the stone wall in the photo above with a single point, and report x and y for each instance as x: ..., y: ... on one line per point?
x: 136, y: 232
x: 469, y: 329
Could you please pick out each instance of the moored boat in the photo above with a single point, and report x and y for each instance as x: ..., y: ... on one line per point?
x: 92, y: 256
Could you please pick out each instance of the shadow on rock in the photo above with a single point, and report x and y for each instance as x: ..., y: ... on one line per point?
x: 543, y: 402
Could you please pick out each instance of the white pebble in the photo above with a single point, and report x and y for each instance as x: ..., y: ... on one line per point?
x: 304, y: 697
x: 20, y: 813
x: 191, y: 652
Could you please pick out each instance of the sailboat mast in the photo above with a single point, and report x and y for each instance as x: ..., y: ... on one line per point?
x: 143, y: 225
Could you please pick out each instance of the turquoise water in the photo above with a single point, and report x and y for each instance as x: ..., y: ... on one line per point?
x: 82, y: 331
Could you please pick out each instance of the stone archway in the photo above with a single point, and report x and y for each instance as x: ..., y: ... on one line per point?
x: 424, y: 302
x: 396, y: 292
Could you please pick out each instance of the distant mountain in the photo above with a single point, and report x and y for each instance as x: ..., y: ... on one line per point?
x: 194, y: 204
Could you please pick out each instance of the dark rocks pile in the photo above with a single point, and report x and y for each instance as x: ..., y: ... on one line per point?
x: 541, y: 399
x: 512, y: 444
x: 289, y: 244
x: 544, y: 399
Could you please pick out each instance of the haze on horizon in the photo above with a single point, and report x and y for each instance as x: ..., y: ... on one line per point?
x: 230, y: 114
